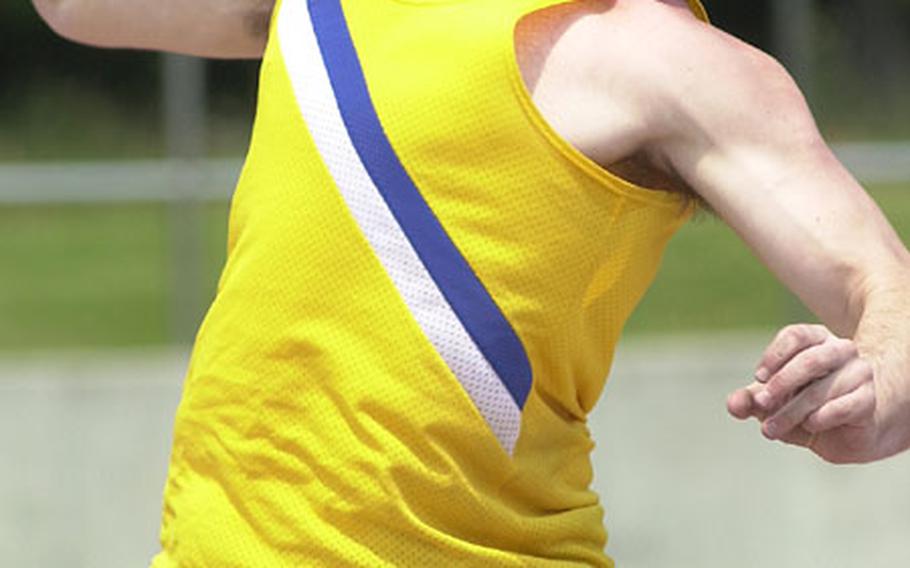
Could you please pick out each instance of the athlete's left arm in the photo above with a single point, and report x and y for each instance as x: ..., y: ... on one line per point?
x: 206, y: 28
x: 737, y: 129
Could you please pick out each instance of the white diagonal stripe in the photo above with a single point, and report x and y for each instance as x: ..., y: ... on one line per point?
x: 434, y: 315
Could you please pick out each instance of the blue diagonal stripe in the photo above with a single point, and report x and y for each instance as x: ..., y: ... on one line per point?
x: 467, y: 296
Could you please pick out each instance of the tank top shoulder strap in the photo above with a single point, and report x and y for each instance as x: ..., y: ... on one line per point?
x: 699, y: 10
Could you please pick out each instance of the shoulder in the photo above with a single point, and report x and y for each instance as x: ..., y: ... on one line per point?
x: 662, y: 49
x: 698, y: 90
x: 648, y: 79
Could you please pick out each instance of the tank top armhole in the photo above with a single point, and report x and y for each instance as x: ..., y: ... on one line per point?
x: 604, y: 176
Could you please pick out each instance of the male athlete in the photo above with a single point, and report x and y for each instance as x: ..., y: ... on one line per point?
x: 448, y: 210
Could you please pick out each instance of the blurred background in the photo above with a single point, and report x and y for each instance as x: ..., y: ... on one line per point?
x: 116, y: 169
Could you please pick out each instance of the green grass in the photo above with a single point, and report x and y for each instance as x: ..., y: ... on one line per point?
x: 95, y: 275
x: 102, y: 276
x: 709, y: 280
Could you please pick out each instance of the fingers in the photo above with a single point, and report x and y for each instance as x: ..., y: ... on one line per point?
x: 814, y: 390
x: 799, y: 436
x: 819, y: 395
x: 811, y: 363
x: 788, y: 342
x: 741, y: 403
x: 854, y: 408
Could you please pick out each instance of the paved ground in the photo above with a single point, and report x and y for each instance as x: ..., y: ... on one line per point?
x: 686, y: 486
x: 84, y: 442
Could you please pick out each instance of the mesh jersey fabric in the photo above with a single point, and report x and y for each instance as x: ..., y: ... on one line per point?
x: 337, y: 410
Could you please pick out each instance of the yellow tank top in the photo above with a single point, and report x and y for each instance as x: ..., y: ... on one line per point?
x: 423, y: 291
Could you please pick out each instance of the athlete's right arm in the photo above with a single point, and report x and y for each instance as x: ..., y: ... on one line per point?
x: 207, y: 28
x: 733, y: 124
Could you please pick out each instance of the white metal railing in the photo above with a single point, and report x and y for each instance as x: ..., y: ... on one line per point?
x: 877, y: 162
x: 167, y: 180
x: 175, y: 180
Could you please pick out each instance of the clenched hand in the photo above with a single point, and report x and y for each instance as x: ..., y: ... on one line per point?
x: 813, y: 389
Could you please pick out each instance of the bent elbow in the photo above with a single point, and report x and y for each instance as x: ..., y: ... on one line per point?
x: 57, y: 15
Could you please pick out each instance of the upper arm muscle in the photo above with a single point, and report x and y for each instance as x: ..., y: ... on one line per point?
x: 734, y: 125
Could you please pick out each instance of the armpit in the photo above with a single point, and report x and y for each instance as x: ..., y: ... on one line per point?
x: 640, y: 171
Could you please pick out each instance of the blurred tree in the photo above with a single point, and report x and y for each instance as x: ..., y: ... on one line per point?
x: 747, y: 20
x: 879, y: 39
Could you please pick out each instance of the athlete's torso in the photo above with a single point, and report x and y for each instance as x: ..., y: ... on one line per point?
x: 424, y: 287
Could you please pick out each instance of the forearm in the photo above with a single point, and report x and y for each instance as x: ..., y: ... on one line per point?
x: 209, y: 28
x: 741, y: 134
x: 883, y: 337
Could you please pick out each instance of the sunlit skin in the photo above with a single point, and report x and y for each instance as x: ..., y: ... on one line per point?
x: 645, y: 89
